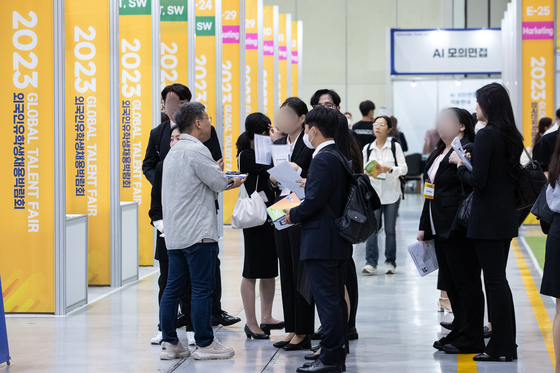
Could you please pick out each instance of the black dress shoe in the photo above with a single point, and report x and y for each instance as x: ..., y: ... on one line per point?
x: 250, y: 334
x: 305, y: 344
x: 317, y: 334
x: 316, y: 348
x: 182, y: 320
x: 311, y: 356
x: 268, y: 327
x: 438, y: 345
x: 487, y: 332
x: 352, y: 334
x: 484, y: 357
x: 446, y: 325
x: 318, y: 367
x: 224, y: 319
x: 310, y: 364
x: 280, y: 344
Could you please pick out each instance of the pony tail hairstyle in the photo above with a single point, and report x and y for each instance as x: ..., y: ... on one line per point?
x: 255, y: 124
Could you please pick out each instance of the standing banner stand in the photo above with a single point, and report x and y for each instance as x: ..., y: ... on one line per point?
x: 174, y: 43
x: 136, y: 65
x: 253, y: 58
x: 270, y: 61
x: 294, y: 86
x: 233, y: 89
x: 4, y: 349
x: 284, y: 57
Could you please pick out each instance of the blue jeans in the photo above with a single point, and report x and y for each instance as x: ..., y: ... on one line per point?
x: 201, y: 260
x: 389, y: 213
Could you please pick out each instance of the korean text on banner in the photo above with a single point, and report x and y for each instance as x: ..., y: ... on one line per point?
x: 268, y: 62
x: 282, y: 60
x: 26, y: 103
x: 135, y: 33
x: 251, y: 57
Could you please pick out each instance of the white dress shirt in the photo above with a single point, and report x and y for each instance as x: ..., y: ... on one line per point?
x: 389, y: 190
x: 553, y: 197
x: 551, y: 129
x: 321, y: 146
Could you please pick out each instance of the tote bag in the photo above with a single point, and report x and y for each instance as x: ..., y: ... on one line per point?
x: 249, y: 212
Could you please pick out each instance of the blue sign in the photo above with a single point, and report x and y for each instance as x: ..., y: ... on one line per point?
x: 4, y: 351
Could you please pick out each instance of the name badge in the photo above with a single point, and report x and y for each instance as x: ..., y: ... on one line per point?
x: 429, y: 190
x: 263, y: 195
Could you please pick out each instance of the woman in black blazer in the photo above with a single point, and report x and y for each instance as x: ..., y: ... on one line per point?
x: 493, y: 219
x: 458, y: 264
x: 299, y: 314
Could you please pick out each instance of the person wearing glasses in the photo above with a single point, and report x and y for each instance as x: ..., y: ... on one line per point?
x: 389, y: 165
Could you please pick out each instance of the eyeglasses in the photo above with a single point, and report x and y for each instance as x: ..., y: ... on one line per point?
x: 328, y: 105
x: 379, y: 124
x: 209, y: 119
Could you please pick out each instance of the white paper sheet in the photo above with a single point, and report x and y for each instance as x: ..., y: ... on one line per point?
x: 263, y: 151
x: 456, y: 144
x: 280, y: 153
x: 423, y: 255
x: 287, y: 176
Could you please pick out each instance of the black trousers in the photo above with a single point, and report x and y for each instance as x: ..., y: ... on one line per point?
x: 493, y: 255
x: 299, y: 315
x: 327, y: 285
x: 352, y: 287
x: 459, y: 270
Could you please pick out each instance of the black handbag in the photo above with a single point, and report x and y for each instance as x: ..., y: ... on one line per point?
x: 529, y: 184
x: 542, y: 211
x: 464, y: 211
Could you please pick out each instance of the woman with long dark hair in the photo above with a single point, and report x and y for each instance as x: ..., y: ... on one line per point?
x: 493, y: 218
x: 551, y: 274
x: 261, y: 260
x: 459, y: 269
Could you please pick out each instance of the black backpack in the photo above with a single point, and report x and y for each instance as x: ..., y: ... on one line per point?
x: 402, y: 179
x: 357, y: 222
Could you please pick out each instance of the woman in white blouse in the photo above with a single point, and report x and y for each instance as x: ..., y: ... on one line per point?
x: 389, y: 165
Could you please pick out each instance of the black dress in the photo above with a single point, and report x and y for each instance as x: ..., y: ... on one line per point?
x: 551, y: 275
x: 261, y: 259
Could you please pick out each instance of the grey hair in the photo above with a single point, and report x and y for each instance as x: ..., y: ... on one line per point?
x: 187, y: 114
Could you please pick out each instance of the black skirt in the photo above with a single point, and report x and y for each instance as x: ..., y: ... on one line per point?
x: 551, y: 275
x: 261, y: 259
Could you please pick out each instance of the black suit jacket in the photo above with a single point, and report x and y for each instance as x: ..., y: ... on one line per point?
x: 159, y: 145
x: 493, y: 212
x: 544, y: 148
x: 447, y: 197
x: 327, y: 183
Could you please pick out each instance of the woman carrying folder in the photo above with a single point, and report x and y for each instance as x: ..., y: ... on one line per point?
x: 458, y: 264
x: 261, y: 260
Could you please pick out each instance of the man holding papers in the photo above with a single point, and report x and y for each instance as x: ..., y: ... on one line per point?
x: 324, y: 251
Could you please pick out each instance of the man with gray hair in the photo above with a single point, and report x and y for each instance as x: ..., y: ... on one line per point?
x: 191, y: 183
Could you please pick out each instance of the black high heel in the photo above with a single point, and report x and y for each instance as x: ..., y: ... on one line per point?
x: 250, y: 334
x: 305, y: 344
x: 281, y: 344
x: 268, y: 327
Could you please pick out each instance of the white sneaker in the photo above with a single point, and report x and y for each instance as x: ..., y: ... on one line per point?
x: 157, y: 339
x: 170, y: 352
x: 190, y: 338
x: 215, y: 351
x: 390, y: 269
x: 369, y: 270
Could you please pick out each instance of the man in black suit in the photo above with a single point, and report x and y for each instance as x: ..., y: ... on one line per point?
x: 324, y: 251
x: 159, y: 144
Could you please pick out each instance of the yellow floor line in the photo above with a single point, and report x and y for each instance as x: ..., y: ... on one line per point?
x: 466, y: 364
x: 543, y: 319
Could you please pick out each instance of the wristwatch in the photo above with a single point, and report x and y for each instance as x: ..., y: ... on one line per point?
x: 391, y: 170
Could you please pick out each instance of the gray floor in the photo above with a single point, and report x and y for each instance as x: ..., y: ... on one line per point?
x: 397, y: 322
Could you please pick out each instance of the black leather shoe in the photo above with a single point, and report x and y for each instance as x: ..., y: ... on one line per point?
x: 446, y: 325
x: 182, y: 320
x: 352, y: 334
x: 318, y: 367
x: 438, y: 345
x: 310, y: 364
x: 268, y: 327
x: 250, y: 334
x: 316, y: 348
x: 224, y: 319
x: 484, y: 357
x: 487, y: 332
x: 280, y: 344
x: 317, y: 334
x: 305, y: 344
x: 312, y: 356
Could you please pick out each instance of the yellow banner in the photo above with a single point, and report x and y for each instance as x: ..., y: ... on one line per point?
x: 538, y: 64
x: 87, y: 128
x: 27, y: 164
x: 135, y: 33
x: 268, y: 62
x: 174, y: 42
x: 231, y: 91
x: 295, y: 60
x: 282, y: 60
x: 251, y: 57
x: 205, y: 82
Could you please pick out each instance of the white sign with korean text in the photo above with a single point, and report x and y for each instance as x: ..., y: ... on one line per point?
x: 460, y: 51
